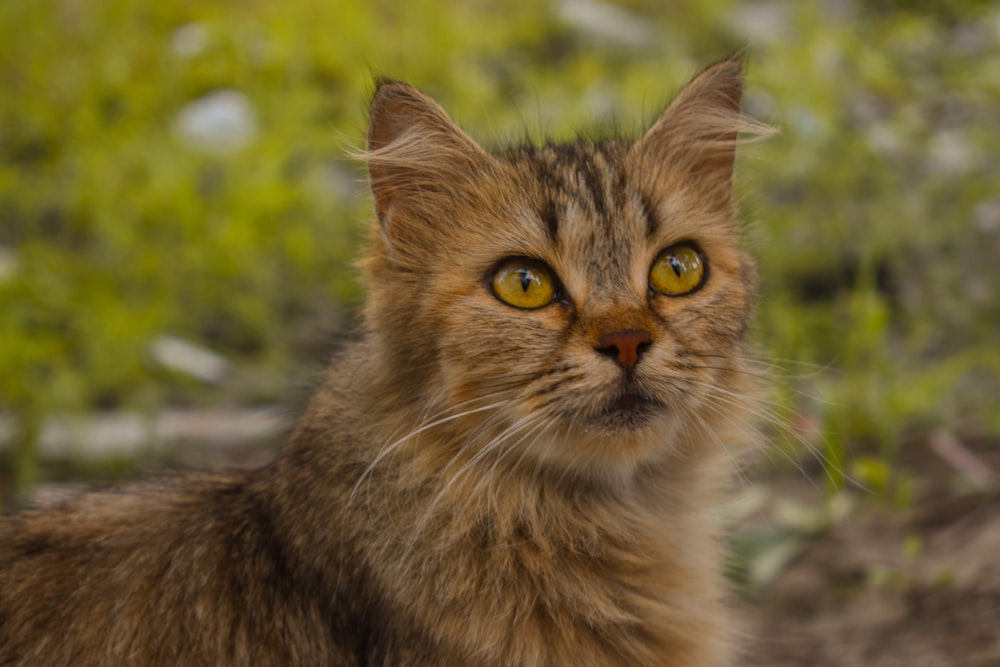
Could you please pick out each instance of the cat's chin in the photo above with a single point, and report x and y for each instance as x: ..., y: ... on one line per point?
x: 629, y: 428
x: 614, y: 442
x: 628, y: 412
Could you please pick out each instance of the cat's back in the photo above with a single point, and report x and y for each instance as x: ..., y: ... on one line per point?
x: 180, y: 570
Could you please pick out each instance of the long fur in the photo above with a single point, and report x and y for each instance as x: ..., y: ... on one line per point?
x: 473, y: 483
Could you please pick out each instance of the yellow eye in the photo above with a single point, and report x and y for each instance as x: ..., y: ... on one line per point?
x: 678, y: 270
x: 524, y: 283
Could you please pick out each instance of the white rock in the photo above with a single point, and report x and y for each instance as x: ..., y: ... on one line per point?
x: 986, y: 216
x: 760, y: 22
x: 102, y: 436
x: 605, y: 22
x: 950, y: 154
x: 185, y: 357
x: 220, y: 122
x: 8, y: 264
x: 190, y: 40
x: 884, y: 140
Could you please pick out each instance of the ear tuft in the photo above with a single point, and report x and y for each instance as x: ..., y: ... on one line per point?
x: 702, y: 126
x: 397, y: 107
x: 414, y: 147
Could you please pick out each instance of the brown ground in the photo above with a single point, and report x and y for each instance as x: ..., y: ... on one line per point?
x: 913, y: 587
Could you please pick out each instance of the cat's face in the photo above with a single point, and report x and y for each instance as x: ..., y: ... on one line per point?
x: 586, y: 305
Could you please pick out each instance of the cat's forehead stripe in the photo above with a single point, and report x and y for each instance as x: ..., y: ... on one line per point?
x: 553, y: 179
x: 587, y: 198
x: 592, y: 168
x: 550, y: 216
x: 649, y: 214
x: 588, y: 176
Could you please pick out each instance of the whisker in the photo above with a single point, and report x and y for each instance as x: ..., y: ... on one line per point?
x: 438, y: 420
x: 766, y: 413
x: 527, y: 424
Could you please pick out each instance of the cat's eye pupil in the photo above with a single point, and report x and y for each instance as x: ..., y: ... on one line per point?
x: 525, y: 280
x: 676, y: 265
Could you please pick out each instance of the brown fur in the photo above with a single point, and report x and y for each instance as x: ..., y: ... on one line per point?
x: 468, y: 486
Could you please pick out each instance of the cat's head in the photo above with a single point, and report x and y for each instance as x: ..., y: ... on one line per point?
x: 585, y: 304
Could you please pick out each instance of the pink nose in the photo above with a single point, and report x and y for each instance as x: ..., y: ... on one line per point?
x: 625, y: 347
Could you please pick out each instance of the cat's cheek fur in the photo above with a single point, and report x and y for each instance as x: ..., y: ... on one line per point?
x: 492, y: 352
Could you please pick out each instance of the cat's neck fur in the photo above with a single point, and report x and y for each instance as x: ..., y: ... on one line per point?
x: 582, y: 569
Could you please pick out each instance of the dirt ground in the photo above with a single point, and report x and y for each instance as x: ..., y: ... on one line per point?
x: 913, y: 587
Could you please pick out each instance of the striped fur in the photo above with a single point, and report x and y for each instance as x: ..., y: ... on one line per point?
x: 473, y: 484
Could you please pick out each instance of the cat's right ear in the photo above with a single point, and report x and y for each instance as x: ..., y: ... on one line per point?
x: 415, y: 151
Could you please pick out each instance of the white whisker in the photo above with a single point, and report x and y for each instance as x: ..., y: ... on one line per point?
x: 435, y: 422
x: 766, y: 413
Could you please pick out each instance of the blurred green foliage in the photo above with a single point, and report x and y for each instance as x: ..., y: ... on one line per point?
x: 876, y: 212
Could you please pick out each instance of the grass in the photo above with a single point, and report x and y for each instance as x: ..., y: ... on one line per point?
x: 874, y: 214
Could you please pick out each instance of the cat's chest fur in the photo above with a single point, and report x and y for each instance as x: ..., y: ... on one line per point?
x: 526, y: 567
x: 516, y: 464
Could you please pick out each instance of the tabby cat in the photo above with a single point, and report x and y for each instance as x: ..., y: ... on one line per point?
x: 516, y: 464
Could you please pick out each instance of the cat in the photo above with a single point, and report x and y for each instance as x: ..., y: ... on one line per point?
x: 517, y: 463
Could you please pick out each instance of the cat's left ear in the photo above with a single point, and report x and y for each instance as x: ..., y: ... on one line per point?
x: 700, y: 128
x: 416, y: 154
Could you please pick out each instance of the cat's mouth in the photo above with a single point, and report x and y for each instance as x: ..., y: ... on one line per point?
x: 629, y: 410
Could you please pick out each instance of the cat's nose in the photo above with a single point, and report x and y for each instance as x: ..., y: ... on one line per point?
x: 625, y: 347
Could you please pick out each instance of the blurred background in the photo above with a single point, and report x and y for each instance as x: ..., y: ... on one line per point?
x: 178, y: 223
